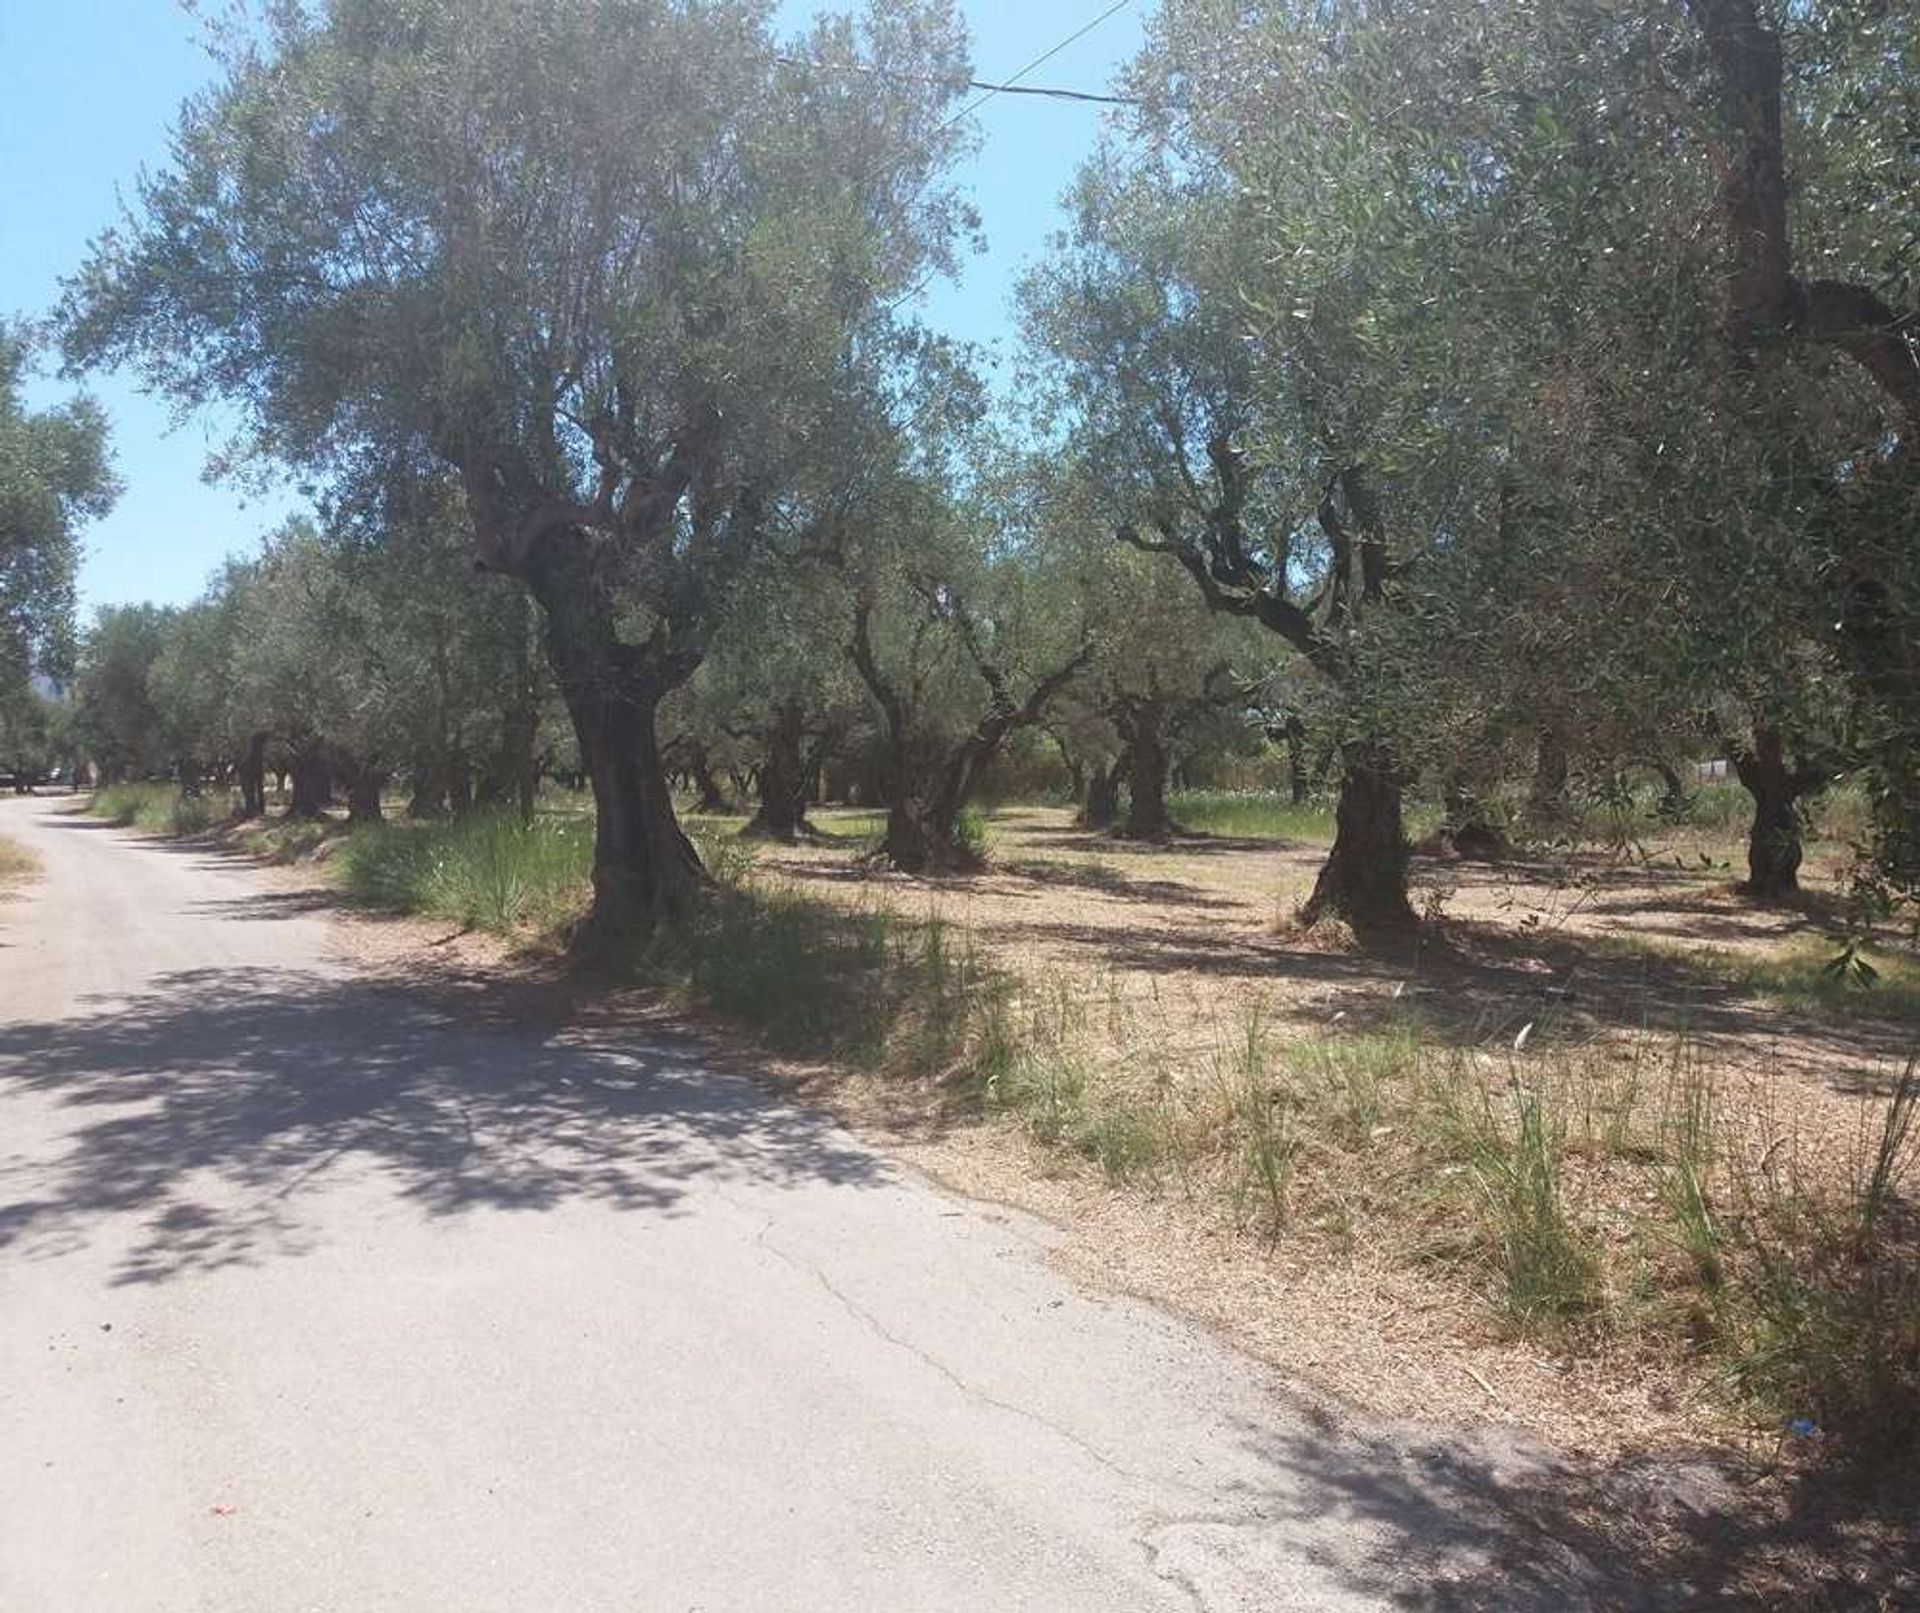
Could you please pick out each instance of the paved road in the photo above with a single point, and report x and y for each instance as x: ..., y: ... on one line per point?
x: 318, y: 1295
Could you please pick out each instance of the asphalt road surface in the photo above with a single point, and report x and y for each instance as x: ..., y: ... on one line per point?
x: 318, y: 1294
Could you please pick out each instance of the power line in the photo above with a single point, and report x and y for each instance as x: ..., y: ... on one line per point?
x: 1055, y: 94
x: 1041, y: 60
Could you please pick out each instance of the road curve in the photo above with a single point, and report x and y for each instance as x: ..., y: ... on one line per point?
x: 317, y: 1295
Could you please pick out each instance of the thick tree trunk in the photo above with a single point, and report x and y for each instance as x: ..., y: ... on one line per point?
x: 1774, y: 845
x: 782, y: 810
x: 363, y: 794
x: 926, y: 795
x: 1147, y: 768
x: 1364, y: 879
x: 1102, y: 802
x: 312, y: 785
x: 253, y: 778
x: 429, y: 797
x: 700, y: 770
x: 645, y: 870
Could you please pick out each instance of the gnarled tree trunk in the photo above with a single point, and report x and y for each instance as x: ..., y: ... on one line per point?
x: 253, y: 777
x: 645, y: 870
x: 364, y: 783
x: 784, y: 777
x: 1296, y: 736
x: 1364, y: 879
x: 1147, y: 768
x: 929, y: 781
x: 1102, y: 802
x: 1774, y: 841
x: 700, y: 769
x: 1547, y: 804
x: 312, y: 783
x: 429, y: 797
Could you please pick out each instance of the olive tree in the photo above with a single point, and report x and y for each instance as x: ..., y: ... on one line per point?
x: 607, y: 261
x: 56, y: 473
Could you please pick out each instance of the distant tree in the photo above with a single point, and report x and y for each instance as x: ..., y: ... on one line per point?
x: 1163, y: 664
x: 961, y: 645
x: 115, y: 715
x: 56, y: 474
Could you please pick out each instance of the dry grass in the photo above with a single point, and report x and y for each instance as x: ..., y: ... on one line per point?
x: 1521, y: 1155
x: 17, y: 864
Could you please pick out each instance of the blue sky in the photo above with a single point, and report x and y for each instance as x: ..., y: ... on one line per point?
x: 88, y: 89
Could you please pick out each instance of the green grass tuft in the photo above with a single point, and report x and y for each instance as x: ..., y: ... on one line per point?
x: 161, y: 809
x: 486, y: 870
x: 1251, y: 815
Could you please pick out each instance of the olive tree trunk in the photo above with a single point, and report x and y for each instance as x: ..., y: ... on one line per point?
x: 1775, y: 839
x: 784, y: 777
x: 1102, y: 802
x: 645, y: 870
x: 312, y: 784
x: 253, y: 777
x: 1364, y: 879
x: 1148, y: 765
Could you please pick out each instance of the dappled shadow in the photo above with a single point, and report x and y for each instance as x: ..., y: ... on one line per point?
x: 1465, y: 1526
x: 269, y: 904
x: 1188, y: 843
x: 1473, y: 984
x: 1107, y: 881
x: 76, y: 818
x: 205, y: 1107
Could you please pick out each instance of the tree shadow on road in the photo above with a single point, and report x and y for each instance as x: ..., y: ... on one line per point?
x: 1476, y: 1523
x: 206, y: 1108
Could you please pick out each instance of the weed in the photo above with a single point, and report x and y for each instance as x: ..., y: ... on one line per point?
x: 1125, y: 1142
x: 1688, y: 1141
x: 17, y: 864
x: 1257, y: 1111
x: 1549, y: 1266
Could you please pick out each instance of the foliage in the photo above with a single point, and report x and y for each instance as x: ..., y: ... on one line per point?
x: 56, y: 473
x: 631, y: 277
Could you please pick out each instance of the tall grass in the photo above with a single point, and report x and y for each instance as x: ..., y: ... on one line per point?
x: 161, y: 808
x: 485, y: 870
x: 1819, y: 1313
x: 1251, y: 815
